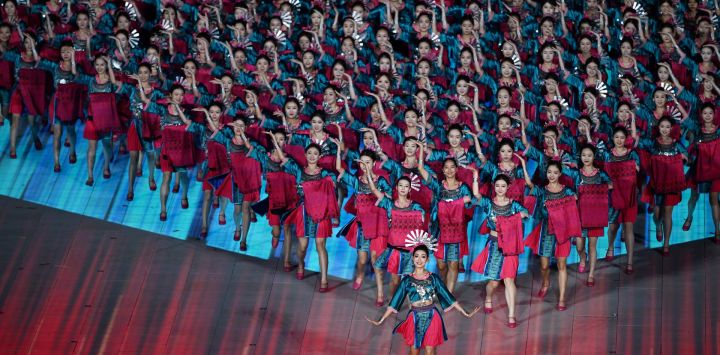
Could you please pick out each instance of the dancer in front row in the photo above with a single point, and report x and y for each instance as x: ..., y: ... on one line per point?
x: 423, y: 328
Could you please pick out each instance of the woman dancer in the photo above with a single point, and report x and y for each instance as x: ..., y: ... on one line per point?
x: 499, y: 259
x: 667, y: 177
x: 451, y: 198
x: 592, y: 186
x: 560, y: 221
x: 423, y: 328
x: 622, y: 165
x: 313, y: 217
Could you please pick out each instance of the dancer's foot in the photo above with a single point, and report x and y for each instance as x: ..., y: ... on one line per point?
x: 488, y: 308
x: 666, y: 251
x: 56, y: 168
x: 275, y: 242
x: 590, y: 281
x: 138, y: 172
x: 184, y: 204
x: 176, y: 189
x: 163, y: 216
x: 581, y: 267
x: 687, y: 224
x: 357, y: 284
x: 236, y: 236
x: 38, y: 144
x: 543, y: 291
x: 629, y: 269
x: 380, y: 301
x: 72, y: 158
x: 216, y: 203
x: 13, y: 154
x: 323, y: 287
x: 203, y: 233
x: 89, y: 181
x: 106, y: 173
x: 243, y: 246
x: 512, y: 323
x: 300, y: 274
x: 67, y: 142
x: 610, y: 254
x: 716, y: 240
x: 153, y: 186
x: 221, y: 219
x: 659, y: 235
x: 561, y: 306
x: 130, y: 196
x: 288, y: 267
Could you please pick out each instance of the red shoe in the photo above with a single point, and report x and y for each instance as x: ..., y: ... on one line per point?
x: 203, y: 234
x: 543, y: 292
x: 610, y: 255
x: 511, y: 323
x: 153, y: 186
x: 379, y: 302
x: 89, y: 182
x: 590, y: 282
x: 176, y: 189
x: 687, y: 224
x: 122, y: 150
x: 323, y: 289
x: 461, y: 268
x: 300, y: 275
x: 629, y: 269
x: 163, y: 216
x: 716, y: 240
x: 38, y: 144
x: 666, y: 251
x: 106, y: 174
x: 130, y: 196
x: 486, y: 309
x: 357, y: 285
x: 222, y: 221
x: 67, y: 143
x: 243, y: 246
x: 13, y: 155
x: 56, y: 168
x: 73, y: 158
x: 560, y: 307
x: 253, y: 218
x: 288, y: 268
x: 236, y: 237
x: 216, y: 204
x: 184, y: 203
x: 275, y: 242
x: 138, y: 173
x: 581, y: 268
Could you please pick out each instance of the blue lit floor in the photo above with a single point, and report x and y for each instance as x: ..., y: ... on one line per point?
x: 31, y: 178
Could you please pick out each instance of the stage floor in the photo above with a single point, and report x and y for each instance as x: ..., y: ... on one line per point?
x: 73, y: 284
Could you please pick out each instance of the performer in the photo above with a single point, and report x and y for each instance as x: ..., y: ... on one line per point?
x: 423, y: 328
x: 177, y: 148
x: 592, y: 186
x: 312, y: 218
x: 282, y: 195
x: 451, y: 198
x: 559, y: 221
x: 499, y: 259
x: 244, y: 181
x: 667, y: 177
x: 622, y: 164
x: 368, y: 232
x: 405, y: 216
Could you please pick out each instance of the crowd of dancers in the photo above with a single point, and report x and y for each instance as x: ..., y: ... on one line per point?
x: 419, y: 117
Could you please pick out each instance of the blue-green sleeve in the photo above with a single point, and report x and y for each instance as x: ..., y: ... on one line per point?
x: 447, y: 300
x: 400, y: 294
x: 292, y: 168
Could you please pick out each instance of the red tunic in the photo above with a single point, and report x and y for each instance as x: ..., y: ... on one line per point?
x: 32, y: 88
x: 103, y: 108
x: 667, y: 174
x: 624, y: 177
x: 68, y: 103
x: 246, y: 175
x: 708, y: 161
x: 593, y: 205
x: 402, y: 223
x: 510, y: 234
x: 178, y: 146
x: 451, y: 218
x: 563, y: 218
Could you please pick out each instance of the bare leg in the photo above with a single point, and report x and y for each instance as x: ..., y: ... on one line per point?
x: 107, y: 153
x: 132, y: 170
x: 287, y: 244
x: 362, y: 260
x: 164, y: 191
x: 667, y: 222
x: 14, y: 133
x: 379, y: 283
x: 692, y: 202
x: 580, y: 246
x: 443, y: 268
x: 207, y: 196
x: 489, y: 290
x: 629, y: 241
x: 91, y: 151
x: 429, y: 350
x: 57, y: 137
x: 301, y: 252
x: 246, y: 221
x: 184, y: 182
x: 323, y: 259
x: 592, y: 250
x: 414, y: 351
x: 238, y: 217
x: 658, y: 223
x: 452, y: 275
x: 394, y: 283
x: 545, y: 271
x: 562, y: 279
x: 151, y: 158
x: 33, y: 122
x: 510, y: 295
x: 612, y: 234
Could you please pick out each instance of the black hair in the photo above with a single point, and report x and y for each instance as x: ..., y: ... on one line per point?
x: 421, y: 247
